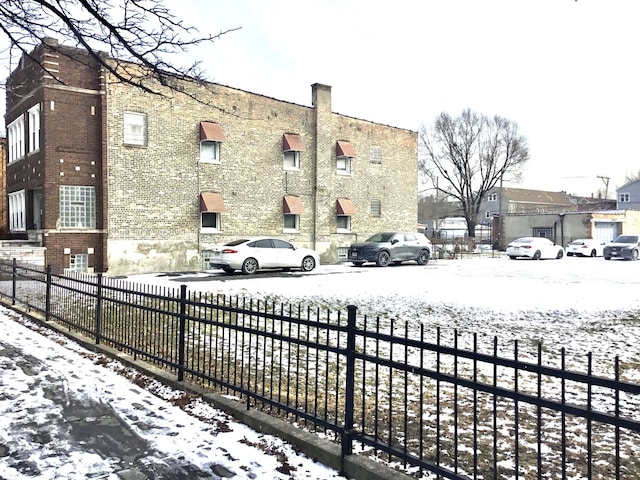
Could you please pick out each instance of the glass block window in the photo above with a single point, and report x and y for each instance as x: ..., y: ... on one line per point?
x: 376, y: 208
x: 77, y: 207
x: 79, y: 263
x: 376, y: 154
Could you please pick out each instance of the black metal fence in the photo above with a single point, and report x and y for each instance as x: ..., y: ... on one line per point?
x: 432, y: 403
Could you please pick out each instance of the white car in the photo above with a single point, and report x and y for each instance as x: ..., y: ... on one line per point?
x: 536, y: 248
x: 262, y: 253
x: 586, y: 247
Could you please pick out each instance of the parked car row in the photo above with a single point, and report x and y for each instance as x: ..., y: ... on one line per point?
x: 252, y: 254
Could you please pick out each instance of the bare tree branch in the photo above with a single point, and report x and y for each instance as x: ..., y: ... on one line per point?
x: 472, y: 153
x: 142, y: 32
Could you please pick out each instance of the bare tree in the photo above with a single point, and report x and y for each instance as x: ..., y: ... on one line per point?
x: 472, y: 154
x: 141, y: 32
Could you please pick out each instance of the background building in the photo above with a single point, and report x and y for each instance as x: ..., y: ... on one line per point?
x: 110, y: 178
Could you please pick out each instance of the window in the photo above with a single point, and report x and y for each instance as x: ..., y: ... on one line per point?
x: 291, y: 160
x: 344, y: 153
x: 79, y: 263
x: 34, y: 128
x: 17, y: 211
x: 343, y: 223
x: 493, y: 197
x: 487, y: 214
x: 291, y: 222
x: 376, y: 155
x: 209, y: 151
x: 77, y: 207
x: 135, y: 129
x: 625, y: 198
x: 207, y: 259
x: 343, y: 165
x: 210, y: 221
x: 15, y: 139
x: 376, y: 208
x: 211, y: 136
x: 343, y: 253
x: 544, y: 232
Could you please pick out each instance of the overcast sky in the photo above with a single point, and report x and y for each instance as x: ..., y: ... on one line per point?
x: 565, y: 71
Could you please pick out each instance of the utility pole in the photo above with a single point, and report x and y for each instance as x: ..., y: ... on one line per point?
x: 606, y: 185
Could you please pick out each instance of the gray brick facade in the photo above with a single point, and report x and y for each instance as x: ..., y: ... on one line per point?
x: 149, y: 209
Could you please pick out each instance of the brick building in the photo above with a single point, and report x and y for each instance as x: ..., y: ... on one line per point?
x: 110, y: 178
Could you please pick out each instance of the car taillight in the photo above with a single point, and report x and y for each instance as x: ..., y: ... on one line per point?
x: 229, y: 250
x: 526, y: 246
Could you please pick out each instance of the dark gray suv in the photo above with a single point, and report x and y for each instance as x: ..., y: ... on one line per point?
x: 391, y: 247
x: 624, y: 246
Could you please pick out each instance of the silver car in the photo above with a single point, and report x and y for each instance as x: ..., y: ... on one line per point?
x: 391, y: 247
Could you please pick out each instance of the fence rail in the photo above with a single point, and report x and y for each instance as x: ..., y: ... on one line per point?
x: 432, y: 403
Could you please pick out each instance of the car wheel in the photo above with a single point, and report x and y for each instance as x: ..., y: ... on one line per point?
x: 559, y: 255
x: 383, y: 259
x: 423, y: 257
x: 228, y: 269
x: 512, y: 258
x: 249, y: 266
x: 593, y: 252
x: 634, y: 255
x: 537, y: 255
x: 357, y: 264
x: 607, y: 258
x: 308, y: 263
x: 569, y: 254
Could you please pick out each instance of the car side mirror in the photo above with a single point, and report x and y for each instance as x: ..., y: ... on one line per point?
x: 394, y: 241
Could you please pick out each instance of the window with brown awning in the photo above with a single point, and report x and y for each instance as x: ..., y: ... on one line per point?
x: 344, y: 206
x: 211, y: 202
x: 292, y: 204
x: 292, y: 142
x: 211, y: 131
x: 345, y: 149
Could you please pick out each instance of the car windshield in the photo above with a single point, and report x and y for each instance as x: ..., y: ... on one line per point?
x: 626, y: 239
x: 381, y: 237
x: 233, y: 243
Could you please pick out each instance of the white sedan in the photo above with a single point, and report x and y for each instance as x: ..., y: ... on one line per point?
x: 534, y: 247
x: 586, y: 247
x: 262, y: 253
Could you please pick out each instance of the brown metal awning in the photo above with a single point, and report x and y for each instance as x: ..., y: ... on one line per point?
x: 211, y: 202
x: 292, y: 204
x: 211, y: 131
x: 344, y: 206
x: 345, y: 149
x: 292, y: 141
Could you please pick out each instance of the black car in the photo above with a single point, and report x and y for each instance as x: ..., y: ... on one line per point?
x: 624, y: 246
x: 391, y: 247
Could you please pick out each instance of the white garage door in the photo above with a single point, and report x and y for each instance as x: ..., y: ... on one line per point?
x: 605, y: 231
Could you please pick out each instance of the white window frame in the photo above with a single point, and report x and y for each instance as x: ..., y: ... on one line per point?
x: 34, y: 128
x: 15, y: 139
x: 210, y: 229
x: 376, y: 208
x: 79, y: 262
x: 493, y: 197
x: 343, y: 165
x: 77, y: 207
x: 343, y: 223
x: 209, y: 151
x: 17, y: 211
x: 375, y: 154
x: 291, y: 223
x: 135, y: 129
x: 291, y: 160
x: 625, y: 197
x: 487, y: 214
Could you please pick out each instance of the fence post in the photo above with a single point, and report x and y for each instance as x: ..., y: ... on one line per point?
x: 47, y: 301
x: 14, y: 273
x: 347, y: 435
x: 99, y: 309
x: 181, y: 339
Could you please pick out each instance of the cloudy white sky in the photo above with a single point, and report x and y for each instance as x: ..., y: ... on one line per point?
x: 565, y: 71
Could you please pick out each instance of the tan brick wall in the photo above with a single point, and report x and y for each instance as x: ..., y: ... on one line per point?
x: 153, y: 191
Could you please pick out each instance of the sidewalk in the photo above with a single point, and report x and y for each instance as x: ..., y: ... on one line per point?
x: 67, y: 413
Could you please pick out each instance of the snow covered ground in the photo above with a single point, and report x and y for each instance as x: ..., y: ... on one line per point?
x: 581, y: 304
